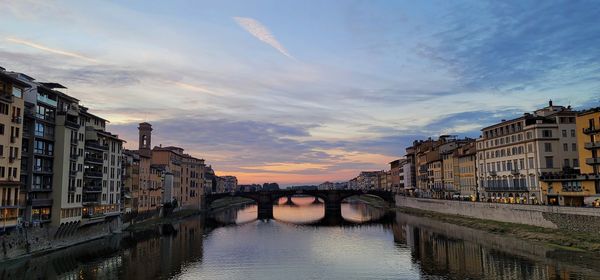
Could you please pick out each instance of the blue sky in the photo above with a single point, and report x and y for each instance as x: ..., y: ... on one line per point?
x: 305, y: 91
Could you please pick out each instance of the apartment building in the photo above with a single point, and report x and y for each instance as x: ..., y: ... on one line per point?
x: 11, y: 128
x: 467, y: 166
x: 367, y: 180
x: 193, y: 181
x: 101, y: 178
x: 410, y: 175
x: 397, y: 175
x: 512, y: 154
x: 578, y: 187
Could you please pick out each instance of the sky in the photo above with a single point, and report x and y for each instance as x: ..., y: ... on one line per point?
x: 300, y: 92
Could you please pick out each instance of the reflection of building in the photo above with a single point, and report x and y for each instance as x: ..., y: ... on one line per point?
x: 513, y: 153
x: 574, y: 187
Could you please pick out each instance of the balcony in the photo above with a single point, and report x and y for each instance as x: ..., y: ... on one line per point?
x: 41, y: 188
x: 94, y: 160
x: 93, y: 174
x: 592, y: 145
x: 72, y: 173
x: 506, y: 189
x: 73, y: 156
x: 41, y: 202
x: 46, y: 100
x: 572, y: 189
x: 17, y: 120
x: 493, y: 173
x: 591, y: 130
x: 592, y: 161
x: 13, y: 139
x: 71, y: 124
x: 515, y: 172
x: 6, y: 96
x: 96, y: 146
x: 40, y: 169
x: 92, y: 189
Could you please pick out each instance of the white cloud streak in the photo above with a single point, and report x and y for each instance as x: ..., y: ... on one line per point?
x: 51, y: 50
x: 261, y: 32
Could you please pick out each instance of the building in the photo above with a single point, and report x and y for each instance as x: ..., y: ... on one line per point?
x: 397, y: 175
x: 467, y: 167
x: 70, y: 165
x: 11, y: 131
x: 512, y: 154
x: 230, y: 183
x: 367, y: 180
x: 578, y: 187
x: 102, y: 168
x: 326, y: 186
x: 410, y: 175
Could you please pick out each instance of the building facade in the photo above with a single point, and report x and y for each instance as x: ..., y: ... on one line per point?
x: 512, y: 154
x: 11, y: 130
x: 578, y: 186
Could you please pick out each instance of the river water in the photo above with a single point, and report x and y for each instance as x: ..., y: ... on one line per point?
x: 300, y: 243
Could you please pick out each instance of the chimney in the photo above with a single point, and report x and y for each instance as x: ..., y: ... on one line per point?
x: 550, y: 103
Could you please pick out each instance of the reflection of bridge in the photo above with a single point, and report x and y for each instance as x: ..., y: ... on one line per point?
x: 332, y: 199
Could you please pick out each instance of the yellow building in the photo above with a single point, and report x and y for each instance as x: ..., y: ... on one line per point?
x: 573, y: 187
x: 11, y: 128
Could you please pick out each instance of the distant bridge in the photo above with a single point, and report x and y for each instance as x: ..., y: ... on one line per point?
x: 331, y: 198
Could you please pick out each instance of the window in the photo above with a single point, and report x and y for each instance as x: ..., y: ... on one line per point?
x: 1, y: 129
x: 573, y: 133
x: 547, y: 147
x: 4, y: 108
x: 566, y: 147
x: 530, y: 162
x: 575, y: 162
x: 549, y: 162
x: 564, y: 133
x: 566, y: 163
x: 574, y: 147
x: 546, y: 133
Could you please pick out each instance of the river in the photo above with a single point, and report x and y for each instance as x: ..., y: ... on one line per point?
x: 367, y: 243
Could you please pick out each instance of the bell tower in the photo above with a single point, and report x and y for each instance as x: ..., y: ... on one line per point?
x: 145, y: 144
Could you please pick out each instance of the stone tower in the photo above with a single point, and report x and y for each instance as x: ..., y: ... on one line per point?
x: 145, y: 145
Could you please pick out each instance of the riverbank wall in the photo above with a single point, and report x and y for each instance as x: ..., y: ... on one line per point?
x: 577, y: 219
x: 22, y: 242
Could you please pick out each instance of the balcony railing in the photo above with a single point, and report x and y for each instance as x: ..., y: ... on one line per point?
x: 92, y: 159
x: 42, y: 169
x: 46, y: 100
x: 41, y: 188
x: 71, y: 124
x: 591, y: 145
x: 515, y: 172
x: 572, y: 189
x: 493, y: 173
x: 592, y: 161
x: 591, y: 130
x: 17, y: 120
x: 95, y: 145
x: 94, y: 189
x: 41, y: 202
x: 94, y: 174
x: 506, y: 189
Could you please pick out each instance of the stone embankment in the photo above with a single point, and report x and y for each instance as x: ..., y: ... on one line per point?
x: 577, y: 219
x: 22, y: 242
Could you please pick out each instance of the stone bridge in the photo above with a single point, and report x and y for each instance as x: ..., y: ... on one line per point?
x: 331, y: 198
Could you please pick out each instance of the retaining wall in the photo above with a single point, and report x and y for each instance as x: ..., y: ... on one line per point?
x: 25, y: 241
x: 577, y: 219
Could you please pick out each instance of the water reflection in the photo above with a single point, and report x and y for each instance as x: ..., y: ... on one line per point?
x: 407, y: 248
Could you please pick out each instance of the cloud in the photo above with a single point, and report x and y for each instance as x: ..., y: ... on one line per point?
x: 51, y: 50
x: 261, y: 32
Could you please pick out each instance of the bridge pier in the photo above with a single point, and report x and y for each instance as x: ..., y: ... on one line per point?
x: 265, y: 206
